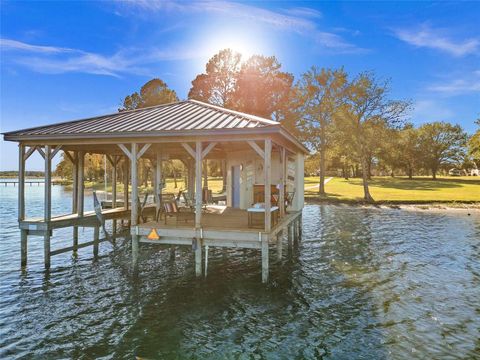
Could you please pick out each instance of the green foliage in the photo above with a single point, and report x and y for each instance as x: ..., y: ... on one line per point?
x: 441, y: 144
x: 217, y: 85
x: 256, y: 86
x: 153, y: 92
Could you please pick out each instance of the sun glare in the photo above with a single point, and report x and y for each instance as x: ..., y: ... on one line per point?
x: 240, y: 41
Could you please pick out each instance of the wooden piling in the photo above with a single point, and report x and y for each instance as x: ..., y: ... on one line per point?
x: 264, y: 260
x: 23, y: 247
x: 48, y: 204
x: 280, y: 244
x: 96, y: 238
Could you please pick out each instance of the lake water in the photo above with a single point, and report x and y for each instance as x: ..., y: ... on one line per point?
x: 363, y: 284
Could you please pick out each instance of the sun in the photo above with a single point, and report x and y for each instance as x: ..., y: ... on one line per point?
x: 240, y: 40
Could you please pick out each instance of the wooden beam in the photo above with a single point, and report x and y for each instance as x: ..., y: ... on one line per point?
x: 69, y: 156
x: 40, y: 151
x: 189, y: 150
x: 143, y: 150
x: 21, y: 182
x: 267, y: 184
x: 30, y: 151
x: 55, y: 151
x: 125, y: 151
x: 257, y: 148
x: 208, y: 149
x: 110, y: 159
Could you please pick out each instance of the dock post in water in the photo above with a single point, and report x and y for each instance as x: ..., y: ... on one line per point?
x: 48, y: 204
x: 198, y: 207
x: 134, y: 209
x: 280, y: 244
x: 264, y: 259
x: 21, y: 203
x: 96, y: 238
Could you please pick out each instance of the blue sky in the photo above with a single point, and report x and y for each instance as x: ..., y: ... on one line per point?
x: 68, y: 60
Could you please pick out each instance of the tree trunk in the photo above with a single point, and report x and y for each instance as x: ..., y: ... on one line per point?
x: 321, y: 185
x: 367, y: 197
x: 434, y: 173
x: 410, y: 173
x: 369, y: 168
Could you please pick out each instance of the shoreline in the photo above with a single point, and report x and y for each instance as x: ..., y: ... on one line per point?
x: 435, y: 206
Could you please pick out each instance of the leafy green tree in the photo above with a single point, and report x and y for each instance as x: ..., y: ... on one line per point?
x: 319, y: 93
x: 441, y: 143
x: 153, y: 92
x: 409, y: 151
x: 217, y: 85
x: 474, y: 146
x: 366, y: 105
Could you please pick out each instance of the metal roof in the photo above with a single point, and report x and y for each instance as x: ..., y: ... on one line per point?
x: 179, y: 116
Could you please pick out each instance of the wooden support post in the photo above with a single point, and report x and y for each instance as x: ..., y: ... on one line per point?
x: 264, y: 260
x: 21, y: 203
x: 96, y: 238
x: 158, y: 182
x: 125, y: 184
x: 23, y: 247
x: 300, y: 224
x: 134, y: 182
x: 21, y: 182
x: 135, y: 248
x: 198, y: 185
x: 280, y: 245
x: 290, y: 236
x: 48, y: 204
x: 114, y: 193
x: 281, y: 197
x: 198, y: 207
x: 134, y: 209
x: 267, y: 184
x: 80, y: 182
x: 198, y: 256
x: 75, y: 197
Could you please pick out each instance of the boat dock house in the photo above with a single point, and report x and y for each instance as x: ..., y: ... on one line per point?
x: 264, y: 186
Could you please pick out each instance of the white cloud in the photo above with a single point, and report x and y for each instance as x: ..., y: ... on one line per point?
x: 9, y: 44
x: 58, y: 60
x: 425, y: 36
x: 298, y: 20
x: 460, y: 85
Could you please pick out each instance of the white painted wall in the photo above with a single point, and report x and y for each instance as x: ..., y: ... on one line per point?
x: 248, y: 160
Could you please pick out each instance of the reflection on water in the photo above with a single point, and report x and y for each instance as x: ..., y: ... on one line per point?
x: 363, y: 283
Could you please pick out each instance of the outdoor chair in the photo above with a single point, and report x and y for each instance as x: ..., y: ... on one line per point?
x: 172, y: 210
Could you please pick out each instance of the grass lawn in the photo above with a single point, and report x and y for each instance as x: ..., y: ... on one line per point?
x: 400, y: 189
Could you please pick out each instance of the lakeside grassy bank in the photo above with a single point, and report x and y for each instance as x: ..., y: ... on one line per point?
x: 454, y: 191
x: 398, y: 190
